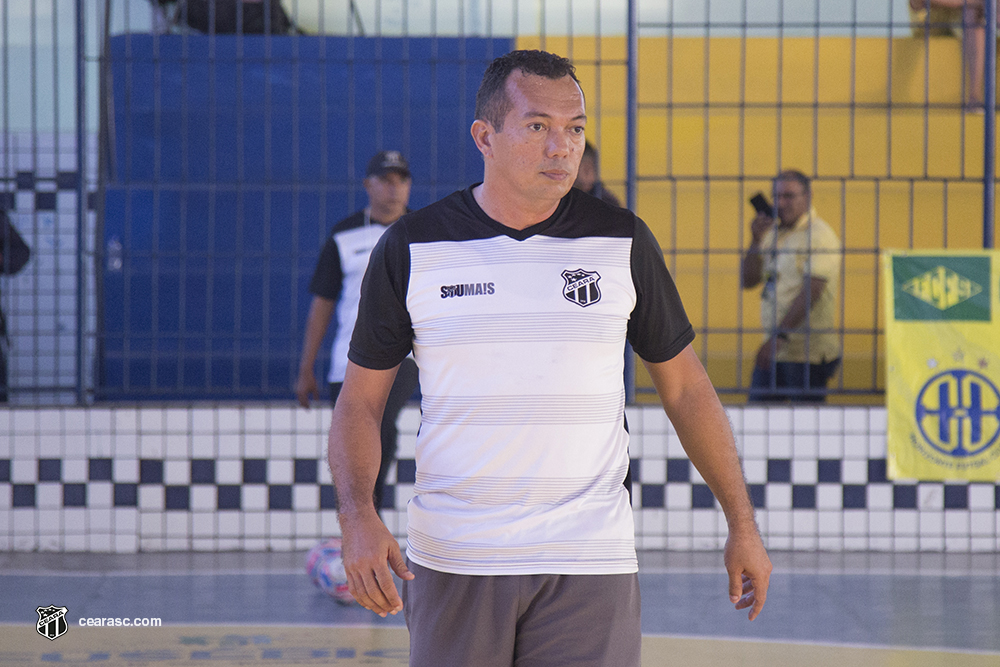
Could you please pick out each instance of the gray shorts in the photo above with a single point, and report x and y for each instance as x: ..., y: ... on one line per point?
x: 536, y: 620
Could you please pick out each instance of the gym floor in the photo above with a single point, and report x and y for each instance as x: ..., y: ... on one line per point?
x: 260, y: 608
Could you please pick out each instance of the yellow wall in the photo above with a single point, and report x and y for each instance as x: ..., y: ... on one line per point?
x: 877, y: 122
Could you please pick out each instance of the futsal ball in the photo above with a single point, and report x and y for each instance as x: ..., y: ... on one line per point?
x: 325, y: 566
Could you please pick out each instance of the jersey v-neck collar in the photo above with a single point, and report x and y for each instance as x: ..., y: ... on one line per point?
x: 516, y: 234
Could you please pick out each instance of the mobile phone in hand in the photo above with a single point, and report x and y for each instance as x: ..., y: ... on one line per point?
x: 761, y: 205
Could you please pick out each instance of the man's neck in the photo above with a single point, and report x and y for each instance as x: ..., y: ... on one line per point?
x: 512, y: 211
x: 382, y: 217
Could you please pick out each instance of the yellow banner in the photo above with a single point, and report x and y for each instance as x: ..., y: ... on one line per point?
x: 942, y: 330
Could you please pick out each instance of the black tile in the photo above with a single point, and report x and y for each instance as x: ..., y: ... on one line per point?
x: 228, y: 497
x: 91, y: 201
x: 8, y: 201
x: 67, y: 180
x: 876, y: 471
x: 74, y: 495
x: 388, y: 497
x: 99, y: 470
x: 855, y: 496
x: 279, y: 497
x: 828, y: 470
x: 306, y: 471
x: 653, y: 495
x: 4, y: 470
x: 634, y: 467
x: 779, y: 470
x: 678, y: 470
x: 757, y: 495
x: 327, y: 497
x: 126, y: 495
x: 49, y: 470
x: 25, y: 180
x: 406, y: 471
x: 22, y: 495
x: 956, y: 497
x: 803, y: 496
x: 904, y: 497
x: 177, y: 497
x: 254, y: 471
x: 45, y: 201
x: 996, y: 497
x: 202, y: 471
x: 701, y: 496
x: 150, y: 471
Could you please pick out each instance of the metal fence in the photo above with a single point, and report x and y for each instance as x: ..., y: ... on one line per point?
x: 175, y: 187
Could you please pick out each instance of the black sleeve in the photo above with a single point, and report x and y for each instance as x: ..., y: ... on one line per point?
x: 328, y: 278
x: 14, y: 252
x: 658, y: 327
x: 383, y: 334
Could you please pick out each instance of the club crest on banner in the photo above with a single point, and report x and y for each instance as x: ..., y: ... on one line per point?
x: 582, y: 287
x: 52, y: 622
x: 958, y: 413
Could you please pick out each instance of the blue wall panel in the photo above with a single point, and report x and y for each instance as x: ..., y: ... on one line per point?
x: 231, y: 159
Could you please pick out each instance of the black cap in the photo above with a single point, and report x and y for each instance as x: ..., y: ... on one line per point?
x: 386, y: 161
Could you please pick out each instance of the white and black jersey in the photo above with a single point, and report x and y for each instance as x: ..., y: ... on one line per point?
x: 337, y: 277
x: 519, y: 338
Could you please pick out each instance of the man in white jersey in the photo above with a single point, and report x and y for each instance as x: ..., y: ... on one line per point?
x: 336, y: 284
x: 516, y: 297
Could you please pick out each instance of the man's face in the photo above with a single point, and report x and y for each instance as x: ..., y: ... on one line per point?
x: 791, y: 200
x: 587, y: 175
x: 538, y: 152
x: 388, y: 195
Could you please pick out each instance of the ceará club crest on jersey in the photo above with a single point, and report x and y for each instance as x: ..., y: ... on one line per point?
x: 582, y: 286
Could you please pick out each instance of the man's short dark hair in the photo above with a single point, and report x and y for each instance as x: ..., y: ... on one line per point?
x: 794, y: 175
x: 492, y: 103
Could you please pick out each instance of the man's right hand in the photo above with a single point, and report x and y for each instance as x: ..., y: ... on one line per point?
x: 759, y: 227
x: 306, y: 387
x: 369, y: 551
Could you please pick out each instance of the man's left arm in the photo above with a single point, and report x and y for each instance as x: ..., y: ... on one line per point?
x: 693, y: 407
x: 798, y: 311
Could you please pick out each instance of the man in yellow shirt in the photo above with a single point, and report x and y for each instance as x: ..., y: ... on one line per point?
x: 797, y: 256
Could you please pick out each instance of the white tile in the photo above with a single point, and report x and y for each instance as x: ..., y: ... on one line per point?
x: 177, y: 472
x: 855, y: 446
x: 254, y: 544
x: 879, y: 496
x: 983, y: 544
x: 804, y: 471
x: 75, y: 543
x: 676, y: 497
x: 229, y: 471
x: 779, y: 420
x: 203, y: 497
x: 854, y: 471
x: 324, y: 472
x: 123, y: 544
x: 877, y: 420
x: 254, y: 420
x: 151, y: 445
x: 880, y: 522
x: 404, y: 493
x: 177, y: 446
x: 125, y: 471
x: 754, y: 420
x: 930, y: 496
x: 203, y: 421
x: 680, y: 522
x: 675, y: 449
x: 328, y: 524
x: 654, y: 521
x: 635, y: 450
x: 881, y: 543
x: 126, y: 420
x: 126, y: 520
x: 705, y: 522
x: 805, y: 445
x: 654, y: 471
x: 654, y: 445
x: 754, y: 445
x: 805, y: 522
x: 830, y: 446
x: 696, y: 477
x: 981, y: 523
x: 25, y: 446
x: 778, y: 496
x: 229, y: 445
x: 125, y: 445
x: 831, y: 419
x: 905, y: 522
x: 203, y: 446
x: 176, y: 420
x: 829, y: 496
x: 830, y: 543
x: 311, y: 446
x: 307, y: 526
x: 855, y: 522
x: 151, y: 524
x: 931, y: 523
x: 74, y: 470
x: 254, y: 524
x: 151, y: 497
x: 24, y: 421
x: 99, y: 420
x: 280, y: 471
x: 99, y: 542
x: 50, y: 421
x: 255, y: 445
x: 779, y: 522
x: 100, y: 495
x: 230, y: 523
x: 957, y: 524
x: 151, y: 420
x: 928, y: 543
x: 735, y: 414
x: 23, y: 471
x: 305, y: 497
x: 48, y: 495
x: 74, y: 420
x: 755, y: 470
x: 779, y: 445
x: 281, y: 445
x: 805, y: 542
x: 856, y: 420
x: 229, y: 420
x: 255, y: 497
x: 981, y: 496
x: 50, y: 445
x: 805, y: 419
x: 178, y: 524
x: 633, y: 415
x: 655, y: 421
x: 877, y: 446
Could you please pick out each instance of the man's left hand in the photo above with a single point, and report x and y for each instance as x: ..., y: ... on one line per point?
x: 749, y: 570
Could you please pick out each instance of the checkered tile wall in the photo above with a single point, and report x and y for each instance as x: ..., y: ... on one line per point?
x: 253, y: 477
